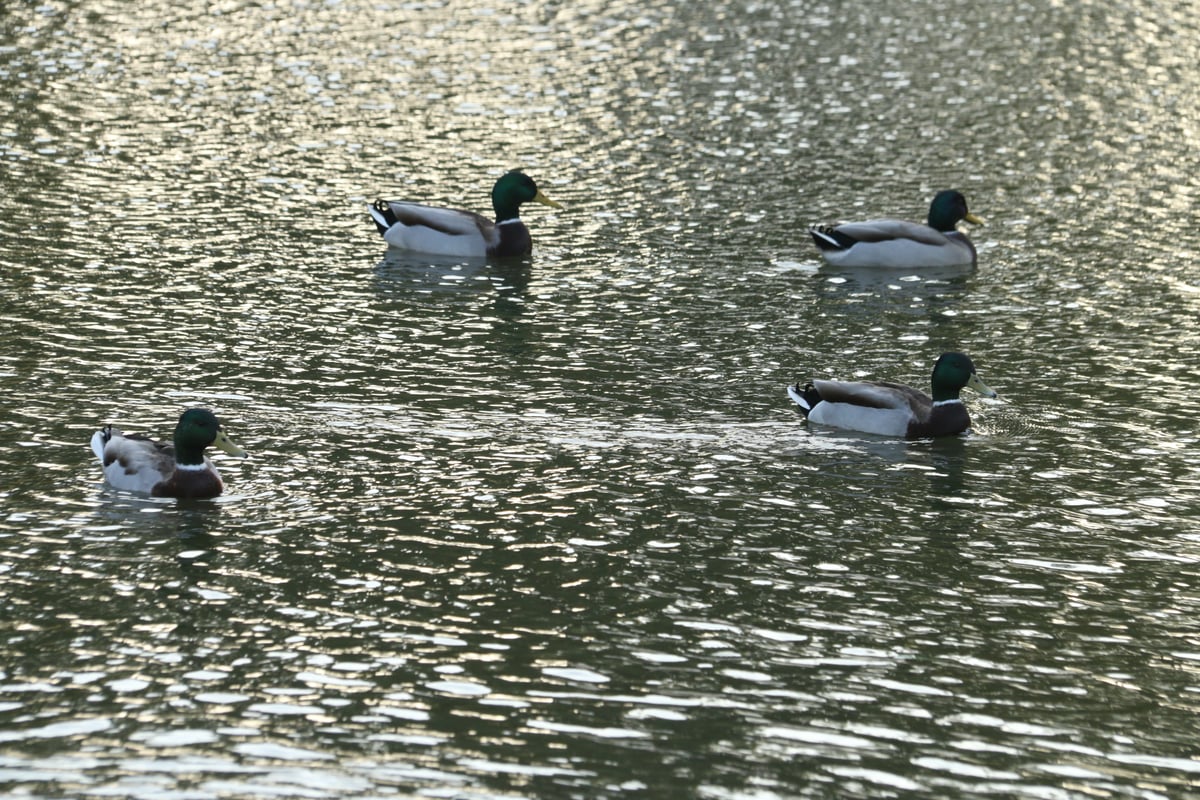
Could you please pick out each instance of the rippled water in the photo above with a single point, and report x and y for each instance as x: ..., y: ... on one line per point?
x: 550, y: 529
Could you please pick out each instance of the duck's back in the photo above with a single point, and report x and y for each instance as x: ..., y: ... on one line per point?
x: 892, y: 243
x: 429, y: 229
x: 878, y: 407
x: 133, y: 463
x: 887, y: 230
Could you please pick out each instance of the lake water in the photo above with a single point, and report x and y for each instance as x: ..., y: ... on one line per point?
x: 551, y: 529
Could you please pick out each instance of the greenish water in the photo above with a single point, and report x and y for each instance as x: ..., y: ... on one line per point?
x: 552, y: 529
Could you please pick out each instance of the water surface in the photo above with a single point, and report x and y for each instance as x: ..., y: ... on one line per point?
x: 549, y: 528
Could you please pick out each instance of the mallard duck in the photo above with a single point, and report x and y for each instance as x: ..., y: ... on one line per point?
x: 892, y: 409
x: 463, y: 234
x: 140, y: 464
x: 896, y: 243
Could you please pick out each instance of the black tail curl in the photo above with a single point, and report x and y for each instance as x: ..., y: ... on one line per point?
x: 827, y: 237
x: 386, y: 212
x: 807, y: 397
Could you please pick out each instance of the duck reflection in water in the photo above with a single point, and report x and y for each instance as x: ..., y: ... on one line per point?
x: 401, y: 273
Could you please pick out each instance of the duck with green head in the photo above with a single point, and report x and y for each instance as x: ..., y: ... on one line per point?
x: 463, y: 234
x: 893, y: 409
x: 140, y: 464
x: 900, y: 244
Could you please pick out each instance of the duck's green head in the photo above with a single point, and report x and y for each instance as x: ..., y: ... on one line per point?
x: 947, y: 209
x: 197, y: 429
x: 513, y: 189
x: 951, y: 373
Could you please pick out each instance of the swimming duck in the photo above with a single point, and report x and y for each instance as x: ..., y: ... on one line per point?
x: 463, y: 234
x: 892, y: 409
x: 896, y: 243
x: 139, y: 464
